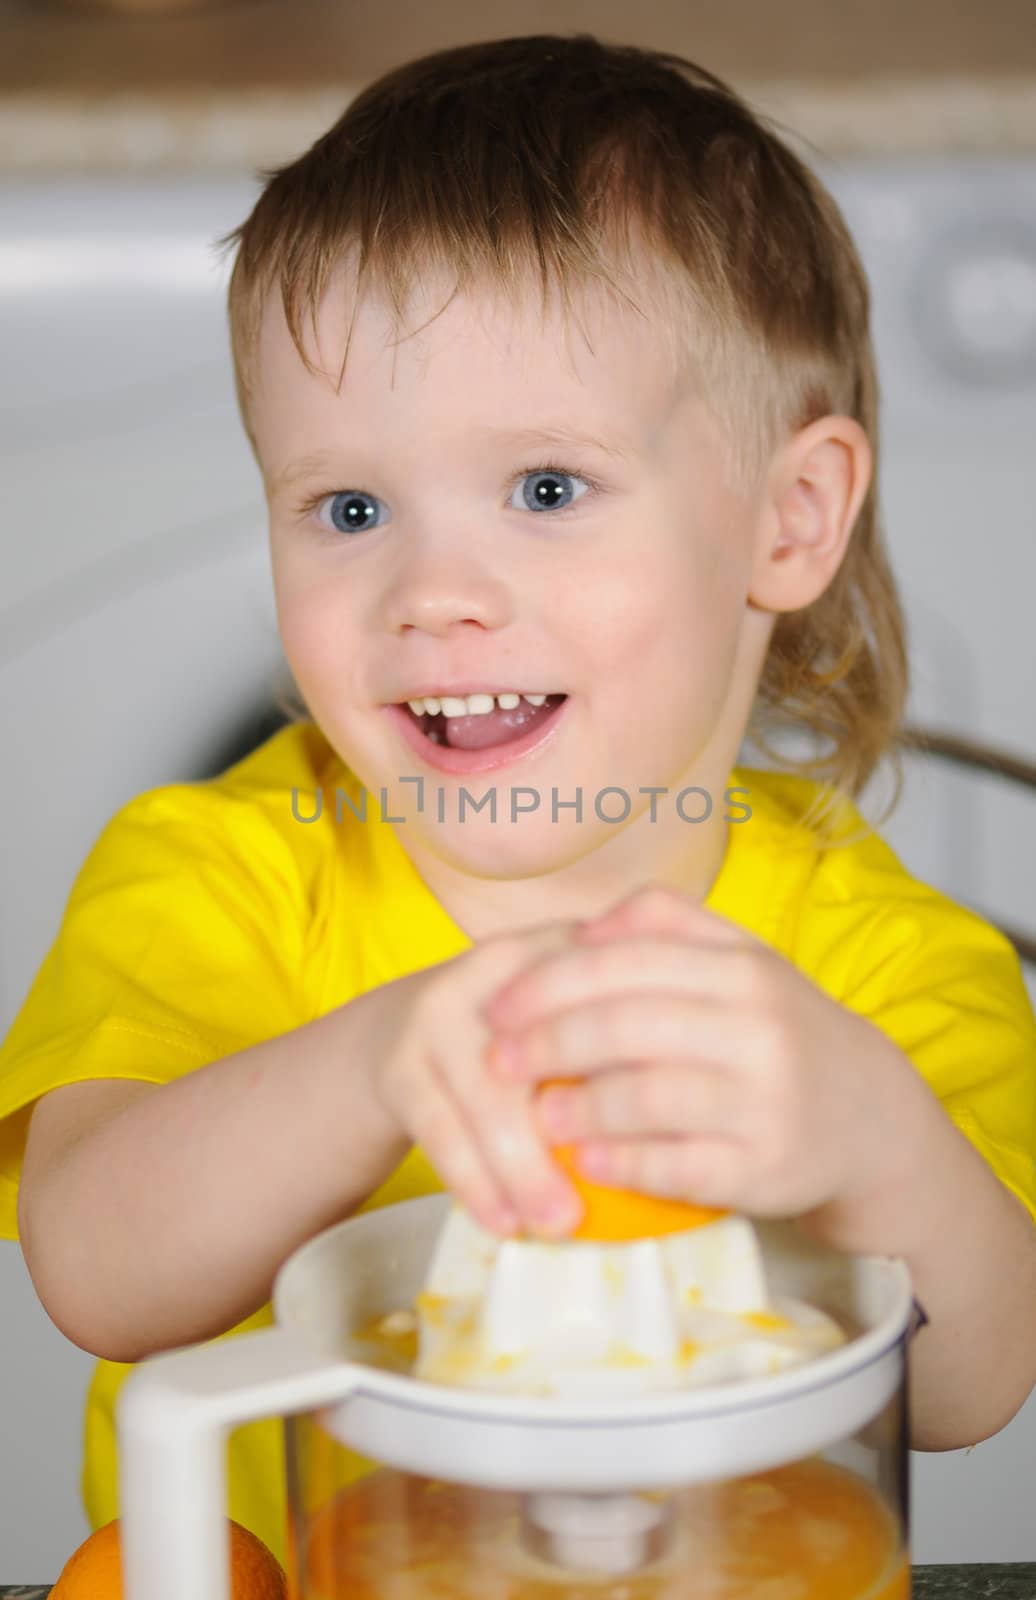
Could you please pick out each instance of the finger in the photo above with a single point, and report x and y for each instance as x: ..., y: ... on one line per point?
x: 495, y: 964
x: 498, y: 1117
x: 451, y: 1081
x: 577, y: 974
x: 707, y: 1171
x: 512, y: 1146
x: 655, y: 1098
x: 607, y: 1033
x: 663, y: 909
x: 445, y: 1138
x: 478, y: 1132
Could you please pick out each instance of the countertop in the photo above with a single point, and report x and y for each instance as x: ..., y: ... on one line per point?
x: 977, y: 1581
x: 244, y: 84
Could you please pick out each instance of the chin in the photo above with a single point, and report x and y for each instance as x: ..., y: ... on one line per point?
x: 506, y: 851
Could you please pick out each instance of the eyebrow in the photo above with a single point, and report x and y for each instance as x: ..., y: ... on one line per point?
x: 558, y: 434
x: 323, y: 461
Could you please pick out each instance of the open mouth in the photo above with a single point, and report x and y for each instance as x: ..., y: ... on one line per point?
x: 485, y: 730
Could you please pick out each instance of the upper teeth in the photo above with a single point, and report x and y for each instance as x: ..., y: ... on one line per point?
x: 471, y: 705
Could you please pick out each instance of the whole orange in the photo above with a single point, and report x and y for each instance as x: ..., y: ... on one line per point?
x: 94, y: 1571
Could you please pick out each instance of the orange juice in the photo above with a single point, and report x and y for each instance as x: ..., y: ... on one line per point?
x: 806, y: 1531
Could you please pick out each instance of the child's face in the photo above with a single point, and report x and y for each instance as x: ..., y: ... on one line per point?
x: 633, y: 601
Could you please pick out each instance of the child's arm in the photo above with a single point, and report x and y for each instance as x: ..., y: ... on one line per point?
x: 166, y: 1221
x: 753, y: 1088
x: 970, y: 1246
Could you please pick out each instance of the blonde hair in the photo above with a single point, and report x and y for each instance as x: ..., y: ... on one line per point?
x: 555, y: 157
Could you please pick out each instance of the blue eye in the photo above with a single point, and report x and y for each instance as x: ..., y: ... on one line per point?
x: 543, y: 496
x: 350, y: 510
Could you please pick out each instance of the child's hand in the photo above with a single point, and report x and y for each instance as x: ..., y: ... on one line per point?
x: 427, y: 1059
x: 716, y: 1072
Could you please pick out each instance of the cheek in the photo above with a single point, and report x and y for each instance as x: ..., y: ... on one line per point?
x: 680, y: 607
x: 670, y: 647
x: 313, y: 627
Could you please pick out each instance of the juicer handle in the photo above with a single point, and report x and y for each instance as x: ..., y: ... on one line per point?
x: 172, y: 1417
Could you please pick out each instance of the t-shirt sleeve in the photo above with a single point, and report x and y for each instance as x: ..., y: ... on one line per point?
x: 947, y: 987
x: 183, y: 941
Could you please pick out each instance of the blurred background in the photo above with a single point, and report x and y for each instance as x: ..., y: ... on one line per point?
x: 138, y: 642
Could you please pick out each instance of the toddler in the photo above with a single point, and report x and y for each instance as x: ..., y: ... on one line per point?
x: 555, y: 362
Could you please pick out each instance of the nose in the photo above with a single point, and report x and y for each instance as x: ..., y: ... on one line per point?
x: 436, y: 591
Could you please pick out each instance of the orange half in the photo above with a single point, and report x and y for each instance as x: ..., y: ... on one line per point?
x: 613, y: 1215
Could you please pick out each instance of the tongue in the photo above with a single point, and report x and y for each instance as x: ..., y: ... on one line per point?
x: 496, y: 726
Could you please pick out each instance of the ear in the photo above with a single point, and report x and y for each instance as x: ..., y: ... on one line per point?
x: 815, y: 487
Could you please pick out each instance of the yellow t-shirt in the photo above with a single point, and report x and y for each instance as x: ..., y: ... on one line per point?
x: 208, y: 917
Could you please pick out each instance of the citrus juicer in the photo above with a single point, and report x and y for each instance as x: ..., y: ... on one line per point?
x: 645, y: 1294
x: 783, y: 1485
